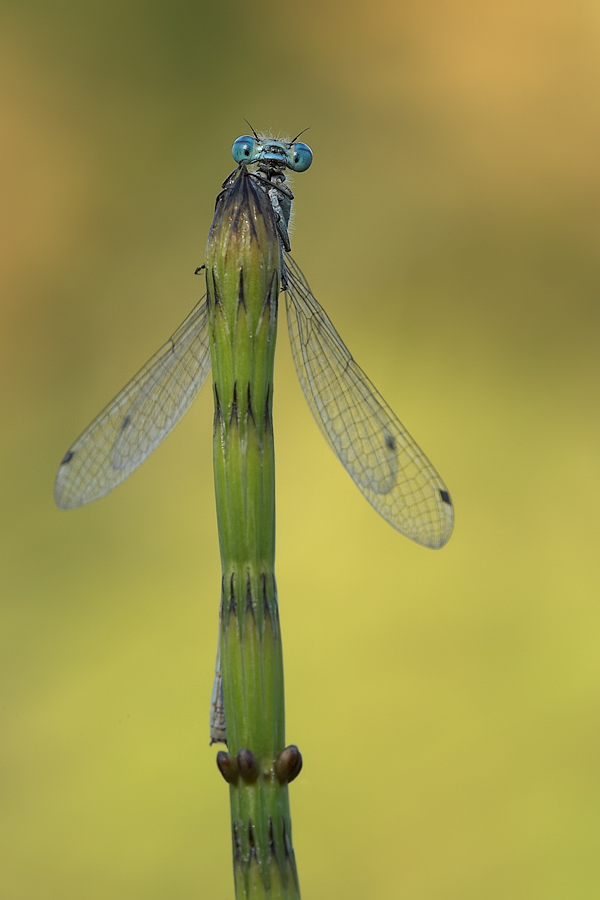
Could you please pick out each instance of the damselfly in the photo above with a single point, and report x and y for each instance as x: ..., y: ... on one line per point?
x: 377, y: 451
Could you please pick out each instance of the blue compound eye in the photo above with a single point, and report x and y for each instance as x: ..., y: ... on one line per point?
x: 299, y: 157
x: 243, y: 148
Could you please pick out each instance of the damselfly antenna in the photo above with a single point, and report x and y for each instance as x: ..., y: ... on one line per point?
x: 297, y: 136
x: 252, y: 129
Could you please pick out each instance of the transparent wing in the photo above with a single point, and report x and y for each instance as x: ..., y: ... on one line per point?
x: 139, y: 417
x: 386, y: 464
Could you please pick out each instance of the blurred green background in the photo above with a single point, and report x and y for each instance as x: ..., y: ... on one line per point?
x: 447, y: 704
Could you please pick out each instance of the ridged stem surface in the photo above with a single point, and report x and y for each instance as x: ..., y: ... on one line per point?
x: 243, y: 272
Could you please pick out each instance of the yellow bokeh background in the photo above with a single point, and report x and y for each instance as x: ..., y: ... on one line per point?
x: 447, y: 703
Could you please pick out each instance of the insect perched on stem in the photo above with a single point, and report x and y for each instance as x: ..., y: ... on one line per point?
x: 377, y: 451
x: 233, y: 331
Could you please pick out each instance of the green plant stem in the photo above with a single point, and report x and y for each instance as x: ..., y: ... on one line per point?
x: 243, y: 282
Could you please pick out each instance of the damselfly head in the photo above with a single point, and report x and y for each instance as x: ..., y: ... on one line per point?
x: 277, y: 154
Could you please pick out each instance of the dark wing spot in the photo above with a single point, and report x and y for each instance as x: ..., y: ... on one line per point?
x: 67, y: 457
x: 390, y: 441
x: 446, y: 497
x: 125, y: 423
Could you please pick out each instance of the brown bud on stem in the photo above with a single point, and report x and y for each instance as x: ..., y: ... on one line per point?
x: 288, y: 764
x: 228, y: 766
x: 247, y: 765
